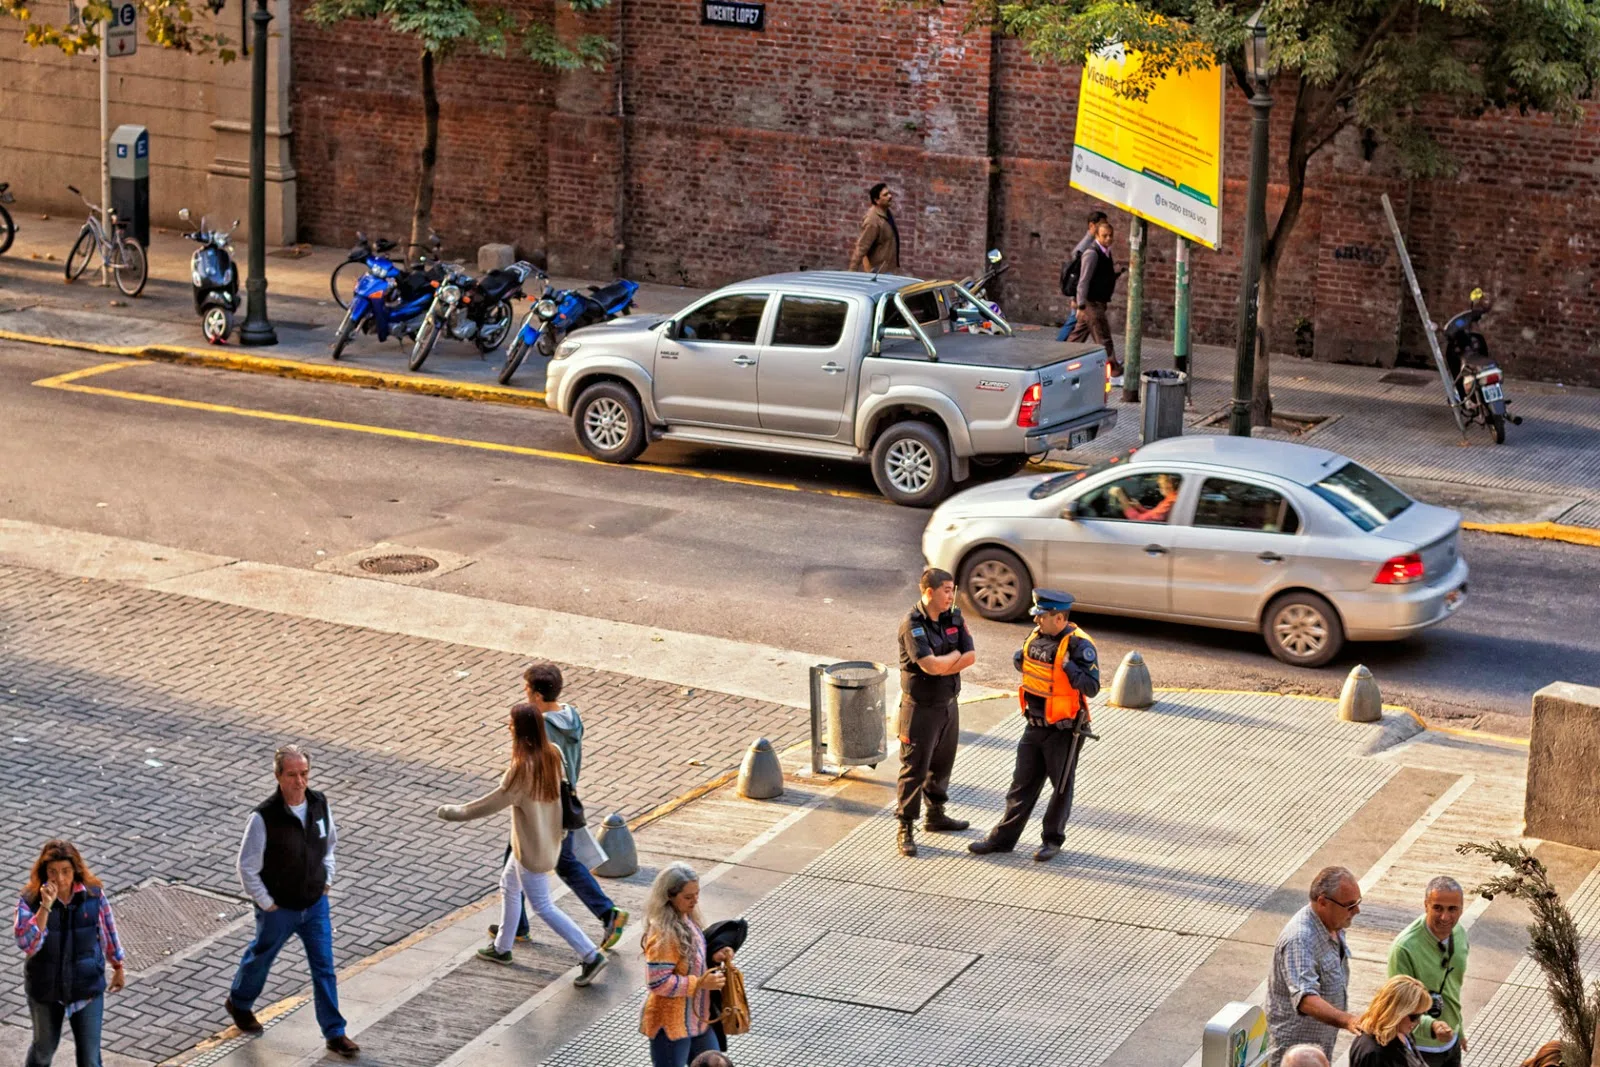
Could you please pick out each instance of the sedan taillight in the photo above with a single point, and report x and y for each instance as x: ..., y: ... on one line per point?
x: 1401, y: 570
x: 1028, y: 412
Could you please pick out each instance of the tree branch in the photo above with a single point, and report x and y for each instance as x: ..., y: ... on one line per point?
x: 1359, y: 62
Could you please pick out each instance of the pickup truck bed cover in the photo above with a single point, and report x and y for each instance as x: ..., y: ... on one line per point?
x: 1032, y: 350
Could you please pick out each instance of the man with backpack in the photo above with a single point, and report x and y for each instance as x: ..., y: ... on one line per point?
x: 1070, y: 272
x: 1097, y: 280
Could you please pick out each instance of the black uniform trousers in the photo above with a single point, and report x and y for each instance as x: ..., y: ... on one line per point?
x: 1045, y: 754
x: 928, y: 757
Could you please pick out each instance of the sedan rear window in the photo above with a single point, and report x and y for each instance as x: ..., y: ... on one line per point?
x: 1361, y: 496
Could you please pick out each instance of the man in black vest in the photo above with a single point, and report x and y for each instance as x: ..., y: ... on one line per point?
x: 1097, y: 280
x: 286, y: 864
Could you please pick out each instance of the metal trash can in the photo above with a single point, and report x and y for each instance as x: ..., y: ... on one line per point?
x: 1162, y: 410
x: 849, y: 696
x: 130, y: 180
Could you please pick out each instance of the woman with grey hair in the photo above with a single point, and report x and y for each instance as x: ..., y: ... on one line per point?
x: 677, y: 991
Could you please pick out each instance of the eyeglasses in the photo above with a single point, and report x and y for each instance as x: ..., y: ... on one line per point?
x: 1350, y: 907
x: 1413, y: 1018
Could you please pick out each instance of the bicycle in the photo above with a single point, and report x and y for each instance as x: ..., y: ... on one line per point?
x: 119, y: 252
x: 8, y: 228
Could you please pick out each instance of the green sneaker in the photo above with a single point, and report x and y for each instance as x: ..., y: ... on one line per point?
x: 614, y: 928
x: 521, y: 939
x: 587, y: 972
x: 488, y: 952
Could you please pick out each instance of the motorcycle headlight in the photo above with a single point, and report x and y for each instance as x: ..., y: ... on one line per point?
x: 566, y: 349
x: 545, y: 309
x: 450, y: 293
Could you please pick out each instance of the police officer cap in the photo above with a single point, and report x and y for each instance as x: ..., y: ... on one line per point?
x: 1049, y: 600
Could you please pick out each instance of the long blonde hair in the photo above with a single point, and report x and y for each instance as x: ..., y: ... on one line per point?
x: 661, y: 917
x: 1399, y: 997
x: 535, y: 762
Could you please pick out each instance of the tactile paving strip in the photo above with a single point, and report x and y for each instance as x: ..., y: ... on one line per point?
x: 871, y: 972
x: 1187, y: 817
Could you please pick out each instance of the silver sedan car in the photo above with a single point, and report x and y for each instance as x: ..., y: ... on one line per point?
x: 1301, y: 544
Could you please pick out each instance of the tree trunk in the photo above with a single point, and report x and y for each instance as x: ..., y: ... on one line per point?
x: 1261, y: 387
x: 423, y: 213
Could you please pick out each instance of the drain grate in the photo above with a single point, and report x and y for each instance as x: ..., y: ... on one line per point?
x: 158, y: 922
x: 399, y: 563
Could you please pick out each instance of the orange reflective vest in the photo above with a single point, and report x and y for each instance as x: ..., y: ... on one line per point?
x: 1062, y: 701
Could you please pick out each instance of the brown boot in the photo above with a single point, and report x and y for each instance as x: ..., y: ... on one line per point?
x: 939, y: 823
x: 906, y: 839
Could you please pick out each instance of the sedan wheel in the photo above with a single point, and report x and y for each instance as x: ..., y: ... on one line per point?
x: 996, y: 584
x: 1302, y: 629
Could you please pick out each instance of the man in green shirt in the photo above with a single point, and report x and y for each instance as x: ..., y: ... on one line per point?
x: 1434, y: 952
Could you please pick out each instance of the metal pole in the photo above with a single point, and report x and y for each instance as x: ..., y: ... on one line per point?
x: 1133, y: 338
x: 1180, y: 315
x: 105, y: 151
x: 257, y: 329
x: 1255, y: 230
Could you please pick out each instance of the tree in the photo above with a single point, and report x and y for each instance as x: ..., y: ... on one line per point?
x: 168, y: 23
x: 1375, y: 65
x: 445, y: 27
x: 1553, y: 944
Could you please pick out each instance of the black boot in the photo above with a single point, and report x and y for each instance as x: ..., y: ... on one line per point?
x: 940, y: 823
x: 906, y: 839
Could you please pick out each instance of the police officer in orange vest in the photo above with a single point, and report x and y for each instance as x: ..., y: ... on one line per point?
x: 1060, y: 672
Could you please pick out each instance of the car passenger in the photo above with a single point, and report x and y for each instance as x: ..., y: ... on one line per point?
x: 1156, y: 513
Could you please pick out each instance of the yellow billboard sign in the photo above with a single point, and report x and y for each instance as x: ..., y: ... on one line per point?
x: 1159, y: 158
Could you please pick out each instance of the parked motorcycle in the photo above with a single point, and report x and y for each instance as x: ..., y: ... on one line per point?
x: 215, y: 280
x: 387, y: 297
x: 1478, y: 380
x: 8, y: 228
x: 342, y: 282
x: 969, y: 319
x: 557, y: 312
x: 467, y: 310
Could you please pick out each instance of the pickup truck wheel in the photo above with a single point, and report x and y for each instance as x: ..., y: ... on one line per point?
x: 996, y: 584
x: 994, y: 468
x: 609, y: 422
x: 911, y: 464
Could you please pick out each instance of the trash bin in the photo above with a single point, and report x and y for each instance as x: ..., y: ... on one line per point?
x: 1163, y: 404
x: 130, y: 180
x: 849, y: 696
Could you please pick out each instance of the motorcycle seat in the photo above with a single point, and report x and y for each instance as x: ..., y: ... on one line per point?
x: 497, y: 283
x: 607, y: 295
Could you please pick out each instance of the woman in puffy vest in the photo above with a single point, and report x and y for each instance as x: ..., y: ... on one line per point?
x: 64, y: 927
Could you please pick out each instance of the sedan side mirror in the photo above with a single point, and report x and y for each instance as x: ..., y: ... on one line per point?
x: 1070, y: 512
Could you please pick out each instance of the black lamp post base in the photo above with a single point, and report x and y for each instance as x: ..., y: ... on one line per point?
x: 257, y: 328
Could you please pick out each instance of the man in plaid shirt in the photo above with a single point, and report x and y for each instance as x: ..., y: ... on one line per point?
x: 1308, y: 992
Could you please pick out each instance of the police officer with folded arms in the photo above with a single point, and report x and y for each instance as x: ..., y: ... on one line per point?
x: 935, y: 648
x: 1060, y: 672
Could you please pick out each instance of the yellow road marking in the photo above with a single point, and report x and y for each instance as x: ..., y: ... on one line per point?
x: 1542, y: 531
x: 69, y: 383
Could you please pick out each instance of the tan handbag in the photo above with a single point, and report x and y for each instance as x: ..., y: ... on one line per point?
x: 735, y: 1005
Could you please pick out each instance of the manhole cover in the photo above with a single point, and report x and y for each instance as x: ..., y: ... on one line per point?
x: 871, y: 972
x: 399, y: 563
x: 157, y: 922
x: 1401, y: 377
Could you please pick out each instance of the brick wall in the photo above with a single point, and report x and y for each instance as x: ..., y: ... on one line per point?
x: 741, y: 153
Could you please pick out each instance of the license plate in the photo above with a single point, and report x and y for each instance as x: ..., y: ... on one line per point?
x: 1080, y: 437
x: 1453, y: 599
x: 1492, y: 393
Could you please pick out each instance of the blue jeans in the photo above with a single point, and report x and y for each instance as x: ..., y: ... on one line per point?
x: 47, y: 1020
x: 665, y: 1052
x: 273, y: 930
x: 580, y: 881
x: 1066, y: 327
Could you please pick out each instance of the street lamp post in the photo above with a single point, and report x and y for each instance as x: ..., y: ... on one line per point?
x: 257, y: 329
x: 1255, y: 227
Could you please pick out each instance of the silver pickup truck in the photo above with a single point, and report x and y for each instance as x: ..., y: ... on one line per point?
x: 922, y: 379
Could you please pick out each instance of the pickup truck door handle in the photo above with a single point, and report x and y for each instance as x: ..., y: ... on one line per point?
x: 744, y: 361
x: 1155, y: 550
x: 831, y: 367
x: 1270, y: 557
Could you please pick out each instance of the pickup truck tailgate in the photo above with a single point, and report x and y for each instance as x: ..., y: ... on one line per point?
x: 1073, y: 386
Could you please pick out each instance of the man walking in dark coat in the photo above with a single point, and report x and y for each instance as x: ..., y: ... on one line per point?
x: 1097, y: 281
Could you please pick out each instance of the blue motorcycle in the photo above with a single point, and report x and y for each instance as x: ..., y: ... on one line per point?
x: 558, y: 312
x: 387, y: 297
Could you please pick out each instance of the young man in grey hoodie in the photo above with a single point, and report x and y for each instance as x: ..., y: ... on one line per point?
x: 564, y: 726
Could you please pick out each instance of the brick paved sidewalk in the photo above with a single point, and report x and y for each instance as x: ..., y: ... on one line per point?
x: 140, y: 725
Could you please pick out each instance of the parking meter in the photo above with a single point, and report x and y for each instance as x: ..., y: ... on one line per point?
x: 130, y: 180
x: 1235, y: 1037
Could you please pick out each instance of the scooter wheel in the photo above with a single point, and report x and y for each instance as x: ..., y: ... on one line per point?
x: 216, y: 323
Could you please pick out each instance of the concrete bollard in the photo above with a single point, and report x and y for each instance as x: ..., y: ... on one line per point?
x: 1360, y: 700
x: 1564, y: 765
x: 1131, y: 687
x: 622, y: 855
x: 495, y: 257
x: 761, y: 775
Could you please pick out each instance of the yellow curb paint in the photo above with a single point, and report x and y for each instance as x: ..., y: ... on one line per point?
x: 1418, y: 717
x: 1542, y: 531
x: 68, y: 383
x: 225, y: 359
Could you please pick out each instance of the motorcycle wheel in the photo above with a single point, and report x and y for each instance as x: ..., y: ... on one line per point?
x: 546, y: 342
x: 216, y: 323
x: 514, y: 353
x: 1497, y: 427
x: 8, y: 229
x: 426, y: 336
x: 342, y: 338
x: 496, y: 323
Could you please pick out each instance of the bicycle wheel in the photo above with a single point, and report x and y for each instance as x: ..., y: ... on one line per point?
x: 8, y: 229
x: 342, y: 282
x: 130, y: 267
x: 82, y: 254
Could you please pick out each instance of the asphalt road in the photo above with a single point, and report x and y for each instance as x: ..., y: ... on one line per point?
x: 798, y: 554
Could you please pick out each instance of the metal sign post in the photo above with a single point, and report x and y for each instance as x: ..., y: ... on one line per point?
x: 1427, y: 323
x: 105, y: 145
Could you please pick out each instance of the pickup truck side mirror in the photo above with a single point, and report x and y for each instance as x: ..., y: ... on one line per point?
x: 670, y: 330
x: 1070, y: 512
